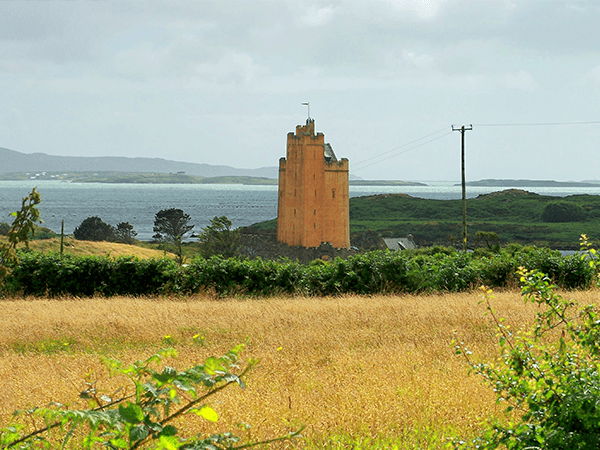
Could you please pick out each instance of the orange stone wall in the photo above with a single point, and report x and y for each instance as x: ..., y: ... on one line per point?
x: 314, y: 200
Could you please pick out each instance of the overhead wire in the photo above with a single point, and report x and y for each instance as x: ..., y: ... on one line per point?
x: 534, y: 124
x: 362, y: 164
x: 397, y: 148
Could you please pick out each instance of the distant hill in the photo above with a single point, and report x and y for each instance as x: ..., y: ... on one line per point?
x: 12, y: 161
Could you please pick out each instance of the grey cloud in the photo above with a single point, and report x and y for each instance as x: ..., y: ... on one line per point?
x: 92, y: 75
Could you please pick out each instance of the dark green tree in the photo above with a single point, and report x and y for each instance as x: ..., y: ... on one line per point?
x: 219, y: 239
x: 4, y: 227
x: 561, y: 211
x: 125, y: 233
x: 171, y: 226
x: 94, y: 229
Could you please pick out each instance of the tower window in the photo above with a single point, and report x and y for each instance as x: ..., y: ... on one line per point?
x: 333, y: 193
x: 314, y: 212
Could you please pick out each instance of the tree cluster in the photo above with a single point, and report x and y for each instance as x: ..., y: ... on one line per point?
x: 171, y: 226
x: 95, y: 229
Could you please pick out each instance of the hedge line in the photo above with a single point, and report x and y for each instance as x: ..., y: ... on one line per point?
x: 435, y: 270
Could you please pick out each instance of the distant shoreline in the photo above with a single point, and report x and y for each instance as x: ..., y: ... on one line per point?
x: 171, y: 178
x: 182, y: 178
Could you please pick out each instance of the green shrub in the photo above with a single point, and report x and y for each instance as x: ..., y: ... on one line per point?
x: 364, y: 274
x: 52, y: 274
x: 561, y: 211
x: 547, y: 375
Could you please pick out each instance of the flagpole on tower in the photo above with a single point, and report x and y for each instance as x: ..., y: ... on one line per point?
x: 308, y: 105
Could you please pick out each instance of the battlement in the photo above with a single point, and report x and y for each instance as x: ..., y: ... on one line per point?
x: 308, y: 129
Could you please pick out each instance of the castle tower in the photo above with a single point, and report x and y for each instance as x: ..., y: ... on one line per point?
x: 314, y: 201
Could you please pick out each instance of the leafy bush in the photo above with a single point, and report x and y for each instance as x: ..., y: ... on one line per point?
x: 52, y: 274
x: 562, y: 211
x: 94, y: 229
x: 365, y: 274
x: 548, y: 375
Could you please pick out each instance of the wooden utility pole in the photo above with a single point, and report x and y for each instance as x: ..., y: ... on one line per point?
x: 464, y: 189
x: 62, y: 237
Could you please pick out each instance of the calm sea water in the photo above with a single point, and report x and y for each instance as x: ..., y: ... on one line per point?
x: 243, y: 205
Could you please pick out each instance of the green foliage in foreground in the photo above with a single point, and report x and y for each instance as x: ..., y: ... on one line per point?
x: 22, y: 228
x: 436, y: 269
x: 143, y: 416
x: 548, y: 374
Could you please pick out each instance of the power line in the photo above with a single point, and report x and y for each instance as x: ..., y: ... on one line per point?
x: 399, y: 147
x: 401, y: 153
x: 534, y: 124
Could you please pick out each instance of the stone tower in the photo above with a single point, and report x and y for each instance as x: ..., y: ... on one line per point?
x: 314, y: 201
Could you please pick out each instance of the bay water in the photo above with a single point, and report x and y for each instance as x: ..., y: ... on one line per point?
x: 243, y: 205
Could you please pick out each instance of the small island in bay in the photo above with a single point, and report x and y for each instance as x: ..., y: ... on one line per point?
x: 528, y: 183
x: 385, y: 183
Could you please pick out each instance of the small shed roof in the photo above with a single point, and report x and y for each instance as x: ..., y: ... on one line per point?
x: 399, y: 243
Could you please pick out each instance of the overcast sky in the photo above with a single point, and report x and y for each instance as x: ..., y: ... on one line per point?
x: 223, y: 82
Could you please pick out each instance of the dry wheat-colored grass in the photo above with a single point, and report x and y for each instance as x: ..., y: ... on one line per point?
x: 353, y: 366
x: 92, y: 248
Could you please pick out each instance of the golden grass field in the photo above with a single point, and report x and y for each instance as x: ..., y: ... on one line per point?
x: 368, y: 371
x: 88, y: 248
